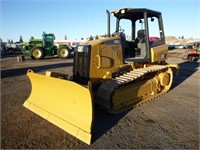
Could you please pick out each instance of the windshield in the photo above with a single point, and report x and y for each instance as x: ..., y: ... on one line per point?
x: 49, y: 39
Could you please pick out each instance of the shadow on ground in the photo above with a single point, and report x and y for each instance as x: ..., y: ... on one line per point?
x: 27, y: 57
x: 23, y: 71
x: 104, y: 121
x: 187, y: 69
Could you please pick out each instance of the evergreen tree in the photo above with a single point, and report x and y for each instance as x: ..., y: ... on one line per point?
x: 182, y: 37
x: 65, y: 37
x: 32, y: 37
x: 82, y: 38
x: 1, y: 40
x: 21, y: 40
x: 11, y: 41
x: 97, y: 37
x: 91, y: 38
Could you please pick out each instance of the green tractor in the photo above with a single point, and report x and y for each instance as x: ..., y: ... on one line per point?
x: 39, y: 48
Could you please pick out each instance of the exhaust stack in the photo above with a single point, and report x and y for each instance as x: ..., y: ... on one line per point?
x: 108, y: 22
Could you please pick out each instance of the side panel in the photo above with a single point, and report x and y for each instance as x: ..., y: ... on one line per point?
x: 48, y: 52
x: 105, y: 58
x: 159, y: 53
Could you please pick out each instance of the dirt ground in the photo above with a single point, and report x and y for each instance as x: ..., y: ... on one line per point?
x: 170, y: 121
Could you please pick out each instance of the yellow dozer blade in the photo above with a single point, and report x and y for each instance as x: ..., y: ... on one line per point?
x: 64, y: 103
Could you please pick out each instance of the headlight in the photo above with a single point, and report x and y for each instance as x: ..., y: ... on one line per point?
x: 122, y: 11
x: 82, y: 48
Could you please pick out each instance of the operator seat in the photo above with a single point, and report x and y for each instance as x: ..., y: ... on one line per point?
x: 140, y: 38
x: 140, y: 42
x: 48, y: 44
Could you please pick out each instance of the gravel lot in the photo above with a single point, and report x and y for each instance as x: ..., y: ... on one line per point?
x: 170, y: 121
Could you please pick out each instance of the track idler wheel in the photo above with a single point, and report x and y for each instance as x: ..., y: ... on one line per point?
x: 166, y: 79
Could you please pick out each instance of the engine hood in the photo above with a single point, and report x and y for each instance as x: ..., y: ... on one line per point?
x: 107, y: 40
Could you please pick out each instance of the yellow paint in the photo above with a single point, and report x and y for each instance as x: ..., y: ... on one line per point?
x: 158, y: 52
x: 64, y: 103
x: 105, y: 58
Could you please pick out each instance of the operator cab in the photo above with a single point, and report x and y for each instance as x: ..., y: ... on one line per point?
x: 140, y: 30
x: 48, y: 40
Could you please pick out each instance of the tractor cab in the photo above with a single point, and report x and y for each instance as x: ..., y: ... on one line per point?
x: 48, y: 40
x: 140, y: 30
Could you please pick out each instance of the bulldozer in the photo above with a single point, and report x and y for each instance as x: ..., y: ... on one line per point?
x: 114, y: 72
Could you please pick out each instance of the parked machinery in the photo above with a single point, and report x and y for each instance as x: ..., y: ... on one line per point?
x: 192, y: 52
x: 111, y: 71
x: 8, y: 48
x: 39, y: 48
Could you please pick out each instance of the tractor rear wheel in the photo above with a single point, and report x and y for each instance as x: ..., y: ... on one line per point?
x: 63, y: 52
x: 37, y: 53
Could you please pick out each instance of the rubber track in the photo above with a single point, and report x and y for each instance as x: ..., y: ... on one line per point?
x: 105, y: 91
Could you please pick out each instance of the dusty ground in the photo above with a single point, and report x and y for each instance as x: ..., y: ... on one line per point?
x: 170, y: 121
